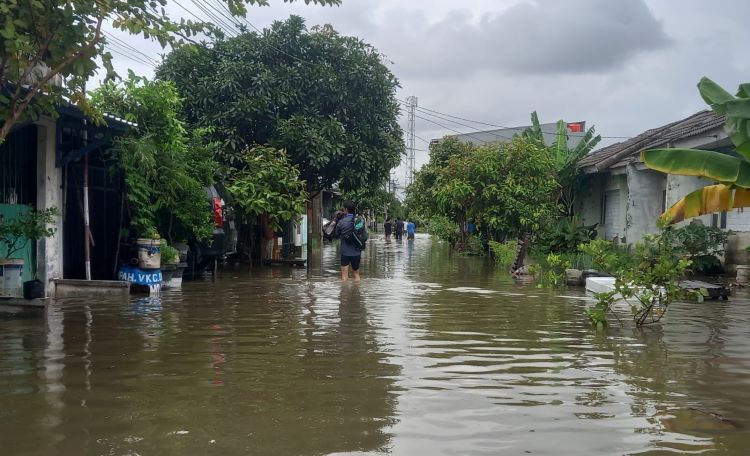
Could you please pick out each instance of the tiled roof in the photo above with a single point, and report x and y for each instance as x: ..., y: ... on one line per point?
x: 620, y: 153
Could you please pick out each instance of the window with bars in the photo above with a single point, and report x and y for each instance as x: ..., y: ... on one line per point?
x: 18, y: 167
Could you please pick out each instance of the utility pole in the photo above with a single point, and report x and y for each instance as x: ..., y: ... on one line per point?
x: 411, y: 106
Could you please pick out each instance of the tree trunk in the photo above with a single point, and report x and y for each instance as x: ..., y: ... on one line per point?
x: 314, y: 230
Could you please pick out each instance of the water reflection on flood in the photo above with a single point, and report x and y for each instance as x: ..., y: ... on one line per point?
x: 431, y: 354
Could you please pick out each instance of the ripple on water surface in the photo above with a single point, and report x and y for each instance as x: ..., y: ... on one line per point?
x: 432, y: 353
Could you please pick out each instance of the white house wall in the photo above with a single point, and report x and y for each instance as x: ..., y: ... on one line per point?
x: 679, y: 186
x: 645, y: 201
x: 739, y: 222
x: 591, y: 200
x: 49, y: 194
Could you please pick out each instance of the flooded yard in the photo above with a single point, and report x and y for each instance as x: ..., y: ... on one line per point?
x: 432, y: 353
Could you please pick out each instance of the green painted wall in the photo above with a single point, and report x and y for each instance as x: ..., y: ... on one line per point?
x: 28, y: 253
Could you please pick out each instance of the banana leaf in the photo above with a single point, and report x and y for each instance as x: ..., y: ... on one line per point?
x: 560, y: 146
x: 714, y: 95
x: 707, y: 200
x: 736, y: 109
x: 712, y: 165
x: 587, y: 143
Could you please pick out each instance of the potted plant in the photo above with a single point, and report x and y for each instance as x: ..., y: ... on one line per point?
x: 170, y: 258
x: 149, y: 250
x: 14, y: 237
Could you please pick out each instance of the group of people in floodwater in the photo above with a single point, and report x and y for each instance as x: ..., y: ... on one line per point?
x: 399, y: 227
x: 352, y: 231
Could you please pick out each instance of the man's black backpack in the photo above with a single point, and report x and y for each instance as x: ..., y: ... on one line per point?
x: 358, y: 235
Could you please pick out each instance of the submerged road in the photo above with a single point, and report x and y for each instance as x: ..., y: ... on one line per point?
x: 432, y: 354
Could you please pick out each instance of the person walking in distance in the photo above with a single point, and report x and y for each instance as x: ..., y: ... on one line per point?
x: 351, y: 246
x: 388, y: 228
x: 399, y: 229
x: 411, y: 228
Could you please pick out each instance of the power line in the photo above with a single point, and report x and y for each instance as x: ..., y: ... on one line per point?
x: 188, y: 11
x: 468, y: 126
x: 122, y: 51
x: 422, y: 108
x: 451, y: 129
x: 200, y: 19
x: 221, y: 8
x: 229, y: 30
x: 216, y: 13
x: 130, y: 57
x: 122, y: 44
x: 422, y: 139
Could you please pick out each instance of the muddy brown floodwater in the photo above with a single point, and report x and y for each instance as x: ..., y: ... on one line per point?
x: 432, y: 354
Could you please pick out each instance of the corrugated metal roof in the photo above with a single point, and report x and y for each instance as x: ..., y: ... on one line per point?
x: 621, y: 153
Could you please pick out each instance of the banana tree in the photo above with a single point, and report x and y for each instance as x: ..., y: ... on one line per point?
x: 566, y: 158
x: 731, y: 174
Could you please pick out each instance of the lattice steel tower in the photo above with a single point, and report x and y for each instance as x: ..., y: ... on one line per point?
x: 410, y: 146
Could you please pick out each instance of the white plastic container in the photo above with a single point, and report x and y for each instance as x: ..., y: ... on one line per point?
x: 11, y: 278
x: 149, y: 253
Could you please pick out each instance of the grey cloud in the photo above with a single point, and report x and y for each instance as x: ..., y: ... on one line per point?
x: 548, y: 36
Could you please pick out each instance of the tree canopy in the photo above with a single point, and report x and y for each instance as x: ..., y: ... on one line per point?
x: 165, y: 168
x: 50, y: 48
x: 509, y: 188
x: 326, y: 99
x: 267, y: 184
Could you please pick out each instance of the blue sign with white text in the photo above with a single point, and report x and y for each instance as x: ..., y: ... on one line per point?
x: 139, y: 276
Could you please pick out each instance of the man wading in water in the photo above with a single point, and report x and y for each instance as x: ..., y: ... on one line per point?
x: 351, y: 240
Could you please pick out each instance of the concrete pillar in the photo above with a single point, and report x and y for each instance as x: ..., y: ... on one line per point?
x: 49, y: 194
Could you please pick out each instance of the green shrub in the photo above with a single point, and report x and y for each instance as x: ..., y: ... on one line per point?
x: 553, y: 270
x: 504, y: 253
x: 169, y: 254
x: 702, y: 244
x: 475, y: 245
x: 648, y: 277
x: 697, y: 239
x: 580, y: 260
x: 564, y: 236
x: 444, y: 229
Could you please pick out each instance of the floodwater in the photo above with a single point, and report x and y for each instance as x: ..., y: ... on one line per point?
x: 432, y: 354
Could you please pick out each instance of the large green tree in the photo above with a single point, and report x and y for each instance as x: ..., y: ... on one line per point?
x: 50, y: 48
x: 509, y: 189
x: 327, y: 99
x: 420, y: 197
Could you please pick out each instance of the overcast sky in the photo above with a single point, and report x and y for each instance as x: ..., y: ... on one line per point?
x: 621, y: 65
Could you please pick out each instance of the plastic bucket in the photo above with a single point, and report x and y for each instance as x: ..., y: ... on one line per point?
x: 11, y: 278
x: 149, y: 253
